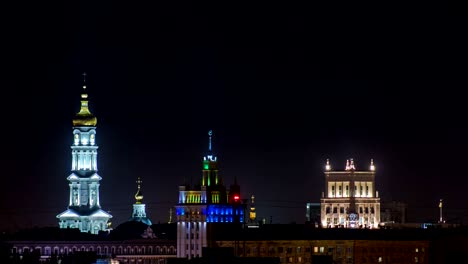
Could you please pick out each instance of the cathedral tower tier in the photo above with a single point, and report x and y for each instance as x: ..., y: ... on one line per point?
x: 350, y: 199
x: 84, y: 210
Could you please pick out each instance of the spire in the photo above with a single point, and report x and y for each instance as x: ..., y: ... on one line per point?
x: 84, y: 117
x: 138, y: 194
x: 210, y: 133
x: 209, y: 156
x: 327, y: 166
x: 252, y: 213
x: 372, y: 167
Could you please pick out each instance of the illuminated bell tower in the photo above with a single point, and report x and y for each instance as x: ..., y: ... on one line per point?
x: 84, y: 210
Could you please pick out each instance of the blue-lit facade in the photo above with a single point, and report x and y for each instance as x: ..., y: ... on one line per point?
x: 203, y: 204
x: 219, y: 213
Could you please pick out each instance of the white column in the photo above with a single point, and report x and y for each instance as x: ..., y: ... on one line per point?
x: 71, y: 195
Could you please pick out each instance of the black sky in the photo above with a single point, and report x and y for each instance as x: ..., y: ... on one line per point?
x: 284, y: 87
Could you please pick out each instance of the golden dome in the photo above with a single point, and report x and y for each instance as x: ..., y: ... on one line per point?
x: 84, y: 116
x: 139, y: 196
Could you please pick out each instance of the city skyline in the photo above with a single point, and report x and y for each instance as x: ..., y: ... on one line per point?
x: 282, y: 94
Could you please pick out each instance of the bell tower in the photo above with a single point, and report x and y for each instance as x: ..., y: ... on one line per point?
x: 84, y: 210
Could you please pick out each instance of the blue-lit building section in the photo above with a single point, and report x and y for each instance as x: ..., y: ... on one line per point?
x: 224, y: 214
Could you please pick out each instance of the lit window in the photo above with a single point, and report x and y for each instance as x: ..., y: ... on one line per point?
x: 315, y: 249
x: 380, y: 259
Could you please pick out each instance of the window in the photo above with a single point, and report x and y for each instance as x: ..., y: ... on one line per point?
x: 299, y: 259
x: 289, y: 250
x: 333, y: 190
x: 328, y: 209
x: 280, y: 249
x: 298, y: 250
x: 341, y: 210
x: 339, y: 190
x: 322, y: 249
x: 335, y: 210
x: 347, y: 190
x: 315, y: 249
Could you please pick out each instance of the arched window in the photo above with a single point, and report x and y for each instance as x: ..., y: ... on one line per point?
x: 150, y: 250
x: 113, y: 250
x: 119, y: 250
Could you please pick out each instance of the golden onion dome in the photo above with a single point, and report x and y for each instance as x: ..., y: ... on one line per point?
x: 84, y: 116
x: 139, y: 196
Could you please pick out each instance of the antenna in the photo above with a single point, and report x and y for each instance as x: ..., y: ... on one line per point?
x: 440, y: 211
x: 210, y: 133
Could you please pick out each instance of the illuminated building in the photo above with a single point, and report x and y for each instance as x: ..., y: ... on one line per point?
x: 207, y: 203
x: 139, y: 212
x: 350, y: 199
x: 84, y: 210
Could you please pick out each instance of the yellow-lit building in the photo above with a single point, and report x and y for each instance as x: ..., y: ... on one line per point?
x: 350, y: 199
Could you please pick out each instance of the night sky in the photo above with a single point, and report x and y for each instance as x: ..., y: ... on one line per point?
x: 283, y: 87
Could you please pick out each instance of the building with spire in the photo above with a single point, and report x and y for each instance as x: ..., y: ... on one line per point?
x: 84, y: 210
x: 350, y: 199
x: 139, y: 210
x: 203, y: 204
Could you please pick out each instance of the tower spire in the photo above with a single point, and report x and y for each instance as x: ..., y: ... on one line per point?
x: 210, y: 133
x: 138, y: 194
x: 84, y: 117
